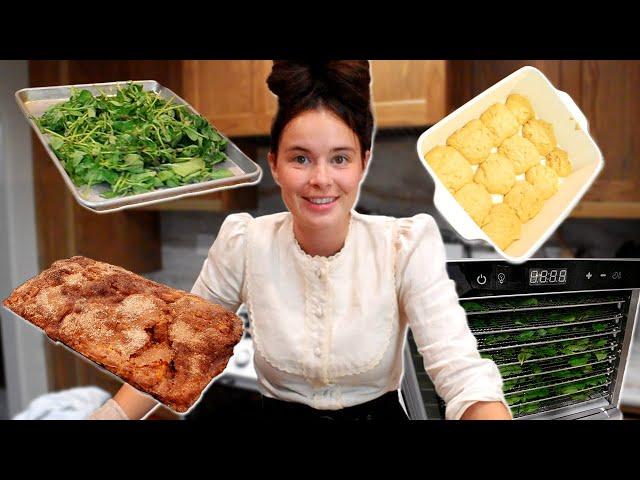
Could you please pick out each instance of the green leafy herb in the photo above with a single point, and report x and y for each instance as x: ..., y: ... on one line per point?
x: 510, y: 370
x: 523, y: 356
x: 562, y: 317
x: 528, y: 302
x: 134, y: 141
x: 473, y: 307
x: 527, y: 335
x: 600, y: 355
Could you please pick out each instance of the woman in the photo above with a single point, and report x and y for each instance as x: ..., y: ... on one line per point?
x: 331, y: 292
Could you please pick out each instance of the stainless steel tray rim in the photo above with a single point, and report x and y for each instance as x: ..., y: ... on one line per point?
x: 542, y: 359
x: 518, y: 377
x: 519, y: 345
x: 557, y: 384
x: 252, y: 172
x: 548, y: 325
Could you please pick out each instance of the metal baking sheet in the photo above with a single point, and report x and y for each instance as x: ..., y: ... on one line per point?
x: 33, y: 102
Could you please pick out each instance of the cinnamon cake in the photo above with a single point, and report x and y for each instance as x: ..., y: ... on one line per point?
x: 165, y: 342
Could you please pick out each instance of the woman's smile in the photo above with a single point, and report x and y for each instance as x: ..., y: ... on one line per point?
x: 321, y: 204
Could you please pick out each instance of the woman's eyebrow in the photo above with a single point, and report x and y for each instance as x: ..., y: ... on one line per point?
x: 351, y: 149
x: 306, y: 150
x: 297, y: 147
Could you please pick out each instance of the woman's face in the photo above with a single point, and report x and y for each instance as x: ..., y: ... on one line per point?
x: 319, y: 168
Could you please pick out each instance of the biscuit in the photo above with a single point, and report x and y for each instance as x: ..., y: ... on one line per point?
x: 496, y: 174
x: 502, y: 225
x: 544, y: 179
x: 500, y: 121
x: 450, y: 166
x: 474, y: 141
x: 522, y: 153
x: 520, y: 107
x: 558, y: 160
x: 475, y: 200
x: 540, y: 133
x: 525, y: 200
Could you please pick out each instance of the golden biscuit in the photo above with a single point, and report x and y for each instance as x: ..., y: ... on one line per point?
x: 540, y: 133
x: 500, y: 121
x: 522, y: 153
x: 544, y: 179
x: 502, y: 225
x: 474, y: 141
x: 475, y: 200
x: 450, y: 166
x: 525, y: 200
x: 558, y: 160
x: 496, y: 174
x: 520, y: 107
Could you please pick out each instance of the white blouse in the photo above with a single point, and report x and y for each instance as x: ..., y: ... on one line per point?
x: 329, y: 332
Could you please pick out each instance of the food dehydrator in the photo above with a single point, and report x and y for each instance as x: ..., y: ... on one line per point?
x: 559, y: 331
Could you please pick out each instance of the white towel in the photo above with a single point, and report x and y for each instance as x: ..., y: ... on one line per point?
x: 72, y: 404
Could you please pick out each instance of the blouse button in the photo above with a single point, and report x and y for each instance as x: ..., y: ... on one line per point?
x: 318, y: 312
x: 317, y: 352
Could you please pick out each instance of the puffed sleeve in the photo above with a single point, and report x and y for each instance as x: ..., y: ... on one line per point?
x: 429, y: 300
x: 222, y: 275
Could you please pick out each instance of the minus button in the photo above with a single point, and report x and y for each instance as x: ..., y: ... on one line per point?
x: 603, y: 274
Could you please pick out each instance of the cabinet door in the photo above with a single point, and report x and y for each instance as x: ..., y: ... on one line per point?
x: 232, y: 94
x: 409, y: 92
x: 610, y: 101
x: 605, y: 92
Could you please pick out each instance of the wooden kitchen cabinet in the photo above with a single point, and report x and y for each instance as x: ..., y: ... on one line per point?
x: 409, y: 93
x: 605, y: 92
x: 234, y: 96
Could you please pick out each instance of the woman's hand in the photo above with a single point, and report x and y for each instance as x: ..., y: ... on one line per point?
x: 487, y: 411
x: 127, y: 404
x: 133, y: 403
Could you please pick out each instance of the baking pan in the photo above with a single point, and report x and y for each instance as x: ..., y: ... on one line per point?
x: 572, y: 132
x: 33, y: 102
x: 116, y: 377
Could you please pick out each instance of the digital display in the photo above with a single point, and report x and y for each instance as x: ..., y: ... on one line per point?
x: 547, y: 276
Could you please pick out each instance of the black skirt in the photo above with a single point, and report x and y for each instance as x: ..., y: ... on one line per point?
x: 385, y: 408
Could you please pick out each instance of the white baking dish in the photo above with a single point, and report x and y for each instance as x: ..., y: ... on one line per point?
x: 572, y: 132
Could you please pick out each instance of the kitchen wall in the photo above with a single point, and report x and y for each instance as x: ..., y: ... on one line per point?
x: 22, y: 346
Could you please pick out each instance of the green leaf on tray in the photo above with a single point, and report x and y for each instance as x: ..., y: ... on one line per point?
x: 473, y: 307
x: 510, y: 370
x: 601, y: 355
x: 577, y: 361
x: 523, y: 357
x: 134, y: 141
x: 528, y: 302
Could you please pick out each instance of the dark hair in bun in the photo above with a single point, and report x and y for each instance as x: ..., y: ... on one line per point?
x: 341, y: 86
